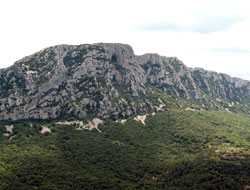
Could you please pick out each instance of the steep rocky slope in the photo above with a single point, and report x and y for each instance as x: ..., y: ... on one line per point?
x: 108, y: 80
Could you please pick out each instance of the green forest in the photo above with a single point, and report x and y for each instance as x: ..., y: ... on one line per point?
x: 176, y: 149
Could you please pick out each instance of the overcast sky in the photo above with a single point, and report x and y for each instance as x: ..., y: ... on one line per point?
x: 212, y: 34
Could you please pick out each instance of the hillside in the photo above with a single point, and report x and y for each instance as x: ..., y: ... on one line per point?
x: 175, y: 149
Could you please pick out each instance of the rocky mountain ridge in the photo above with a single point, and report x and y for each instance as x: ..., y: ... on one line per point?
x: 110, y: 81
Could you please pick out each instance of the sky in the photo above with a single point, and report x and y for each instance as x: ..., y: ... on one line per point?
x: 211, y: 34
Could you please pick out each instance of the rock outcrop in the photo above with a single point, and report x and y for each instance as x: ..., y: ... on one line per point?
x: 107, y: 80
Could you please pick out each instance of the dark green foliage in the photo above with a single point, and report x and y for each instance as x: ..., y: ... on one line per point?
x: 75, y: 57
x: 10, y: 81
x: 154, y: 67
x: 176, y: 64
x: 114, y: 58
x: 176, y: 149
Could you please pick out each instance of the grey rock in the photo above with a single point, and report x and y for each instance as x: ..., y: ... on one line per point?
x: 107, y: 80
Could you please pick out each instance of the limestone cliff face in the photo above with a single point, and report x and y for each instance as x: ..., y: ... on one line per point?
x: 107, y: 80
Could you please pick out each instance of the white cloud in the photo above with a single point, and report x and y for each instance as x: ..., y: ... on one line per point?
x: 202, y: 17
x: 210, y: 34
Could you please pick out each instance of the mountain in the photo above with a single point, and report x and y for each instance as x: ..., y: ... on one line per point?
x: 108, y: 80
x: 99, y: 117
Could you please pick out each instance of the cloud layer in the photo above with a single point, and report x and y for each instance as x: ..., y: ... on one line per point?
x: 213, y: 34
x: 206, y: 18
x: 204, y: 26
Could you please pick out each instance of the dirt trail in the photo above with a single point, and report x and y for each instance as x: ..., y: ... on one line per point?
x: 90, y: 126
x: 9, y: 128
x: 45, y: 130
x: 141, y: 118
